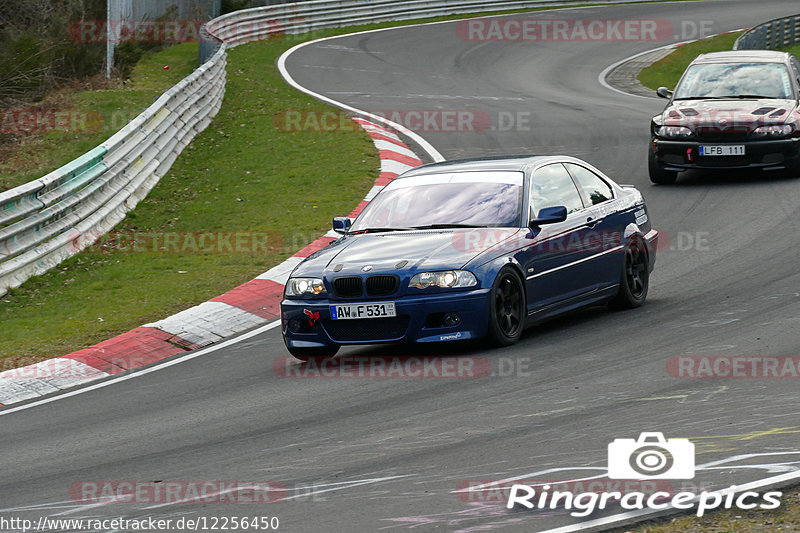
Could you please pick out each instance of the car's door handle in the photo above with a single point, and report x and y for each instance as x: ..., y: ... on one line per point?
x: 591, y: 222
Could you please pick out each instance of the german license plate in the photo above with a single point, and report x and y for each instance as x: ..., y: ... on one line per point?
x: 359, y: 311
x: 722, y: 149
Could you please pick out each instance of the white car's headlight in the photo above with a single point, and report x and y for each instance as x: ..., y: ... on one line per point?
x: 674, y: 132
x: 782, y: 130
x: 304, y: 286
x: 448, y: 279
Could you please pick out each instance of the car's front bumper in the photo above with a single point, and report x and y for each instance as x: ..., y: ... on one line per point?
x: 416, y: 320
x: 651, y: 241
x: 768, y: 154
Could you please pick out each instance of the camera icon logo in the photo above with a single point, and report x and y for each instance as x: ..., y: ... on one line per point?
x: 651, y: 456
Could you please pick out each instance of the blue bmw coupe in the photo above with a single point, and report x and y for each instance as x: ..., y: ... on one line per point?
x: 472, y: 249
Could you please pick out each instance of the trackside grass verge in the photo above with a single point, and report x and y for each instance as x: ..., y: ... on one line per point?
x: 28, y: 155
x: 793, y: 50
x: 242, y: 176
x: 242, y: 179
x: 785, y: 519
x: 72, y: 122
x: 667, y: 71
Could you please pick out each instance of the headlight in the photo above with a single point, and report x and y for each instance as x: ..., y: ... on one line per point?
x: 773, y: 132
x: 448, y: 279
x: 674, y: 132
x: 304, y: 286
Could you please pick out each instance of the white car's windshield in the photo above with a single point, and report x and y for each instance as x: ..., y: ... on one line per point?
x: 735, y: 80
x: 469, y: 199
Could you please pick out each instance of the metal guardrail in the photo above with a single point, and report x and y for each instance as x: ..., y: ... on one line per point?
x: 133, y: 12
x: 47, y: 220
x: 772, y: 35
x: 248, y: 25
x: 208, y: 44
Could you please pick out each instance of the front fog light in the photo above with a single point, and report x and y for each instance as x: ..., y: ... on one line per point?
x: 451, y: 319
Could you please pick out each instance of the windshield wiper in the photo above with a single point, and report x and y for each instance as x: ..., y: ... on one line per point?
x: 729, y: 97
x: 446, y: 226
x: 704, y: 98
x: 378, y: 230
x: 757, y: 96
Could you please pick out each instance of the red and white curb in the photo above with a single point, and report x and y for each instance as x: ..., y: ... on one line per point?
x: 249, y: 305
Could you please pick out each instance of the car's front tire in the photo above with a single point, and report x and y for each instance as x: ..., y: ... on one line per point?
x: 635, y: 279
x: 507, y: 308
x: 657, y: 174
x: 315, y: 355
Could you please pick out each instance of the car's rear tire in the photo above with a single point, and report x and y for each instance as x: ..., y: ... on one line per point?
x: 635, y: 279
x: 507, y: 308
x: 315, y: 355
x: 657, y: 174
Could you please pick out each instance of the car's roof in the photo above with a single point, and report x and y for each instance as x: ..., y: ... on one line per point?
x: 758, y: 56
x: 506, y: 163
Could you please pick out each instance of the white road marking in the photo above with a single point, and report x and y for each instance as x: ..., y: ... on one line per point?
x: 167, y: 363
x: 425, y: 145
x: 601, y: 78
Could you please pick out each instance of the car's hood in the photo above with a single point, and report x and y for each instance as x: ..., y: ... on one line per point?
x: 403, y: 251
x: 740, y: 115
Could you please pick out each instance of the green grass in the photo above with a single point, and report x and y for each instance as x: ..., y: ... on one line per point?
x: 667, y: 71
x: 98, y: 114
x: 241, y: 174
x: 793, y: 50
x: 259, y: 180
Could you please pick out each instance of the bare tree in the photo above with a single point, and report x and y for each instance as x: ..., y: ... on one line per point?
x: 36, y: 51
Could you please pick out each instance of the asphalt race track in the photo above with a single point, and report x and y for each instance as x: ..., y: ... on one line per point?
x: 390, y: 454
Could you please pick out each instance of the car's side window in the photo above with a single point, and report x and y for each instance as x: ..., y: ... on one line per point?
x: 595, y: 188
x: 552, y: 186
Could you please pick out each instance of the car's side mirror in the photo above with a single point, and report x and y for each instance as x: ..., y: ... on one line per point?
x: 550, y: 215
x: 341, y: 225
x: 663, y: 92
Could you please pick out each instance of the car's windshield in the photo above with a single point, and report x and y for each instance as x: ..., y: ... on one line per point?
x: 735, y: 80
x: 446, y: 200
